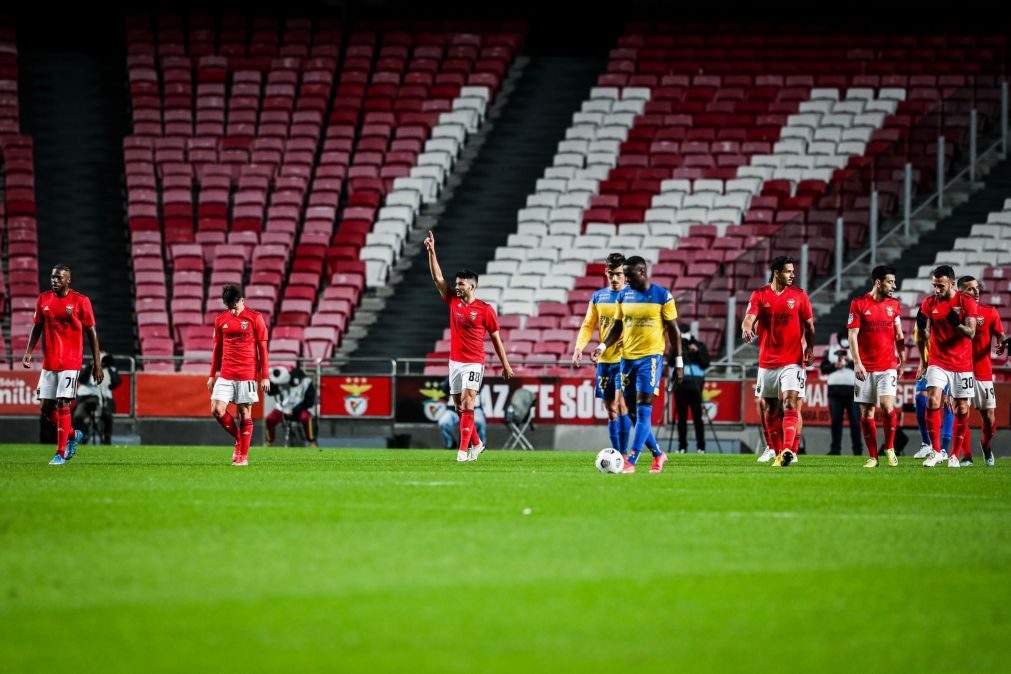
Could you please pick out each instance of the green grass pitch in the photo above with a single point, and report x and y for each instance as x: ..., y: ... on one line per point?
x: 167, y: 559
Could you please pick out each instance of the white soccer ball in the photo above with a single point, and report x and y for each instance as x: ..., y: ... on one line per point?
x: 609, y: 460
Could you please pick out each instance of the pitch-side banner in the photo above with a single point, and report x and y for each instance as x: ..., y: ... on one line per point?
x: 356, y: 397
x: 17, y: 393
x: 560, y: 400
x: 815, y: 411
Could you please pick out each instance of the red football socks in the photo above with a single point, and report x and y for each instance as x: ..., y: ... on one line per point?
x: 989, y: 430
x: 791, y: 420
x: 245, y: 437
x: 774, y: 431
x: 870, y: 429
x: 63, y: 430
x: 960, y: 438
x: 934, y: 427
x: 227, y: 422
x: 891, y: 422
x: 466, y: 429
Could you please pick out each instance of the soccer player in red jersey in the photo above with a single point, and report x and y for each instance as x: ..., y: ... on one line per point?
x: 879, y: 352
x: 240, y: 353
x: 951, y: 322
x: 469, y: 320
x: 785, y: 321
x: 988, y: 326
x: 62, y: 317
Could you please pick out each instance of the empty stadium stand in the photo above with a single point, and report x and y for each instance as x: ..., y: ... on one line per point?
x: 292, y: 157
x: 708, y: 153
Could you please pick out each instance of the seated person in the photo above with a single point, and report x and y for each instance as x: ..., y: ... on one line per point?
x: 296, y: 398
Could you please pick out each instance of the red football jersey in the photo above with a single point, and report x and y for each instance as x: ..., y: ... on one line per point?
x: 876, y: 339
x: 468, y: 324
x: 988, y: 326
x: 63, y: 320
x: 238, y: 342
x: 780, y: 325
x: 949, y: 349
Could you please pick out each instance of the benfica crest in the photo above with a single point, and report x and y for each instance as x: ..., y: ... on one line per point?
x: 435, y: 405
x: 789, y: 304
x: 891, y: 312
x: 473, y: 315
x: 70, y: 311
x: 355, y: 403
x: 243, y: 324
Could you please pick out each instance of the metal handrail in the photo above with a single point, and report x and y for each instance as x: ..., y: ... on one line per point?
x: 891, y: 232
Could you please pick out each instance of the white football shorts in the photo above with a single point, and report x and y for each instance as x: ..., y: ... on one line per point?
x: 465, y: 376
x: 876, y: 386
x: 53, y: 384
x: 986, y: 399
x: 771, y: 383
x: 961, y: 385
x: 238, y: 392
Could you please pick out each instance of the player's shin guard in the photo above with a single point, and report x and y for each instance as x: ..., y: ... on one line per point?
x: 791, y: 420
x: 624, y: 431
x: 891, y: 420
x: 948, y: 420
x: 227, y: 422
x: 466, y: 429
x: 921, y: 418
x: 933, y: 421
x: 63, y: 430
x: 642, y: 430
x: 245, y: 437
x: 870, y: 429
x: 614, y: 433
x: 960, y: 438
x: 774, y: 431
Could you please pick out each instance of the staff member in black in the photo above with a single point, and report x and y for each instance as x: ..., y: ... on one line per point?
x: 689, y: 393
x: 838, y: 367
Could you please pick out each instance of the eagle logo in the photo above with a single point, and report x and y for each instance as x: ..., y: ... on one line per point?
x: 434, y: 406
x: 473, y: 315
x: 789, y: 304
x: 355, y: 403
x: 243, y: 324
x: 70, y: 311
x: 890, y: 311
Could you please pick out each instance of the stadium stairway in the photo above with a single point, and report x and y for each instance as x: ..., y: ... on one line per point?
x: 481, y: 210
x: 934, y: 237
x: 74, y: 108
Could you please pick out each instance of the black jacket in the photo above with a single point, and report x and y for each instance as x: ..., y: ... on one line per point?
x: 700, y: 357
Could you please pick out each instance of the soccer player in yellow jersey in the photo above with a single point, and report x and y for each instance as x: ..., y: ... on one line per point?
x: 600, y: 314
x: 643, y: 314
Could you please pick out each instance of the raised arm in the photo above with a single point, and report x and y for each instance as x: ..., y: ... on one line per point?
x: 433, y: 266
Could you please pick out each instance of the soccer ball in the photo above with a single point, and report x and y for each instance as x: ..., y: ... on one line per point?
x: 609, y: 460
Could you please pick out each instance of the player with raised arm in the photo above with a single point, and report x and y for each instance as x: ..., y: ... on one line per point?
x: 600, y: 315
x: 62, y: 317
x: 644, y: 313
x: 879, y: 353
x: 240, y: 354
x: 988, y: 326
x: 951, y: 322
x: 469, y: 320
x: 785, y: 322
